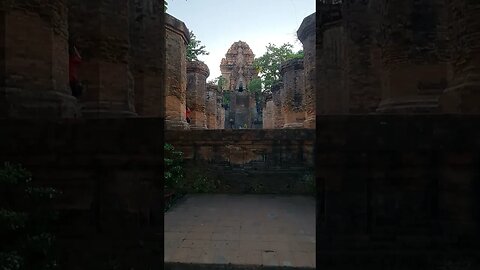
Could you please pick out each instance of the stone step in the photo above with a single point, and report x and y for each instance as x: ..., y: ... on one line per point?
x: 198, y: 266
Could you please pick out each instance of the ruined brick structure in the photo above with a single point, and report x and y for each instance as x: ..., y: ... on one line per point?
x: 306, y: 34
x: 268, y: 110
x: 34, y: 63
x: 177, y: 38
x: 463, y: 92
x: 278, y: 113
x: 220, y: 114
x: 293, y: 93
x: 238, y: 70
x: 414, y: 62
x: 100, y: 30
x: 211, y: 106
x: 147, y: 62
x: 197, y: 73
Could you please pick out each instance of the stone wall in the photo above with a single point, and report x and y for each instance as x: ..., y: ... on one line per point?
x: 177, y: 38
x: 268, y: 110
x: 34, y: 60
x: 110, y: 173
x: 248, y: 161
x: 278, y: 113
x: 397, y: 192
x: 220, y: 115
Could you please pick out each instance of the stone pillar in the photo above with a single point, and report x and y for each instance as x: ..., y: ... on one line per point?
x: 34, y: 60
x: 306, y: 34
x: 268, y: 110
x: 211, y: 106
x: 362, y: 82
x: 278, y: 117
x: 331, y: 95
x: 100, y: 28
x: 293, y: 94
x: 177, y: 38
x: 463, y: 92
x: 147, y: 51
x: 220, y: 110
x: 197, y: 73
x: 414, y: 62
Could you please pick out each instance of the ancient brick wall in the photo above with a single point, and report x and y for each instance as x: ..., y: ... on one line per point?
x: 397, y: 191
x: 414, y: 58
x: 100, y: 30
x: 362, y: 83
x: 211, y: 106
x: 462, y: 94
x: 293, y: 93
x: 264, y: 161
x: 197, y: 73
x: 306, y: 34
x: 34, y: 60
x: 330, y: 92
x: 278, y: 113
x: 110, y: 173
x: 147, y: 53
x: 268, y: 110
x: 177, y: 38
x: 220, y: 115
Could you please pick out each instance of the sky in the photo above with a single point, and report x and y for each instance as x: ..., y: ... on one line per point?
x: 220, y: 23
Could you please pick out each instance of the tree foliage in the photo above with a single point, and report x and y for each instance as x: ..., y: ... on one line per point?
x: 27, y: 222
x: 255, y: 85
x: 268, y: 65
x: 194, y: 48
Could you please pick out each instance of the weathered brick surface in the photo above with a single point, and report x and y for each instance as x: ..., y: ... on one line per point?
x: 268, y: 110
x: 414, y: 59
x: 177, y: 38
x: 306, y: 34
x: 278, y: 112
x: 220, y: 115
x: 462, y: 94
x: 211, y: 106
x: 34, y: 79
x: 110, y: 173
x: 293, y: 93
x: 330, y: 94
x: 197, y: 73
x: 404, y: 184
x: 269, y: 161
x: 101, y: 31
x: 362, y: 83
x: 147, y: 53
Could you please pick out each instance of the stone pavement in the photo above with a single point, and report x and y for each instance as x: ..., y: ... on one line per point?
x: 269, y: 230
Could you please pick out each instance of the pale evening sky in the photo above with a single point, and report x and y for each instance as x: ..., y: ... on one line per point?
x: 219, y: 23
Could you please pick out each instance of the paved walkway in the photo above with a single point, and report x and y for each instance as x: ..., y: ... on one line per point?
x: 268, y: 230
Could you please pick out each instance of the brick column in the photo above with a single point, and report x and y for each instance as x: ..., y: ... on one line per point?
x: 331, y: 94
x: 463, y: 92
x: 220, y: 110
x: 177, y: 38
x: 147, y: 51
x: 293, y: 94
x: 34, y: 60
x: 268, y: 110
x: 414, y: 63
x: 197, y: 73
x: 362, y: 82
x: 211, y: 106
x: 101, y: 31
x: 278, y: 117
x: 306, y: 34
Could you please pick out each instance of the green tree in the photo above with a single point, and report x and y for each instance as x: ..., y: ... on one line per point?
x: 255, y: 85
x: 268, y: 65
x: 194, y: 49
